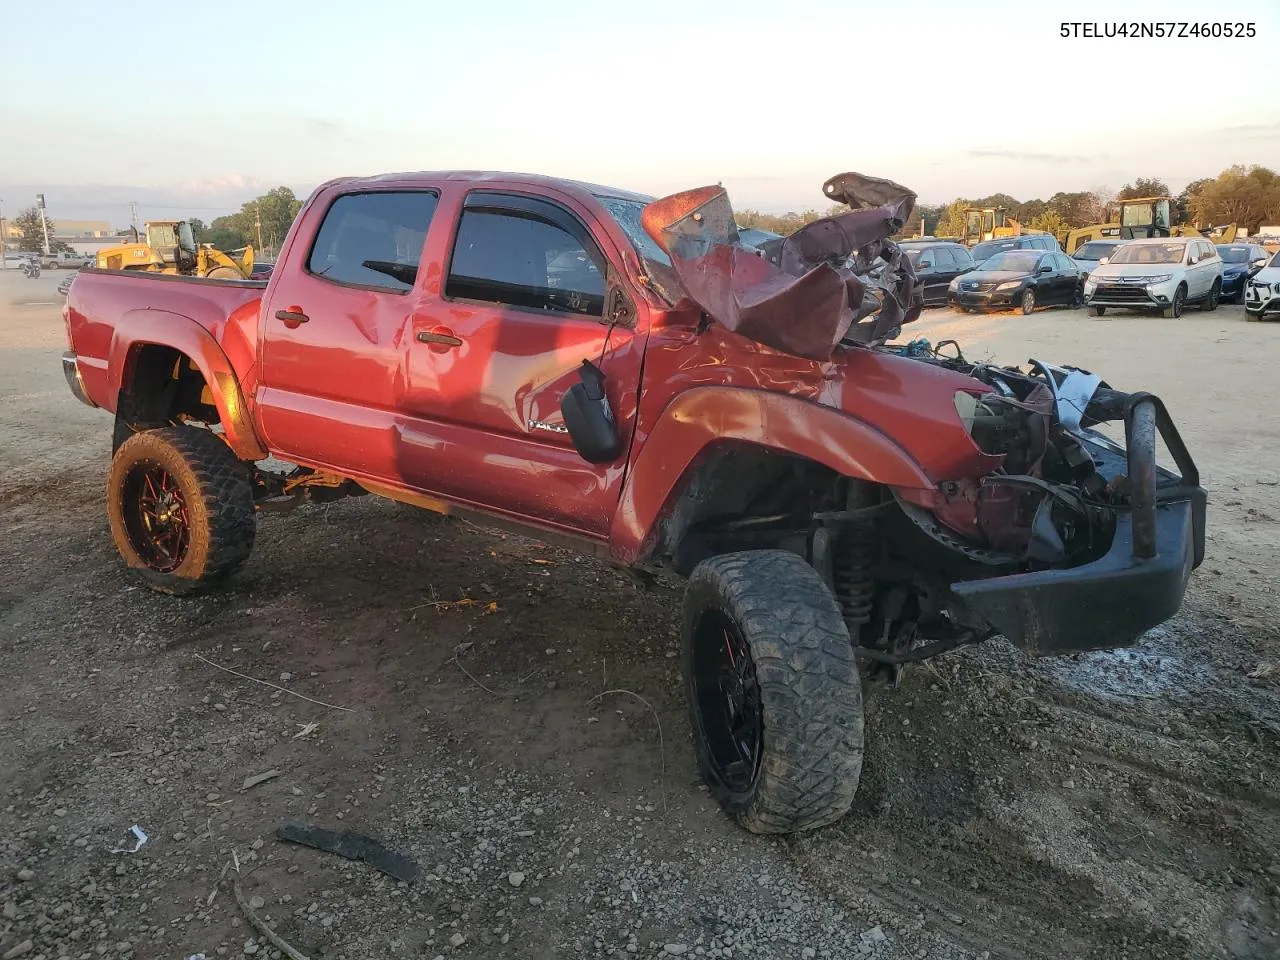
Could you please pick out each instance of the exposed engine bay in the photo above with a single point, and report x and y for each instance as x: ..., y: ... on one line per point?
x: 1049, y: 504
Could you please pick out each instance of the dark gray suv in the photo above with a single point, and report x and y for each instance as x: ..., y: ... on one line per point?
x: 937, y: 263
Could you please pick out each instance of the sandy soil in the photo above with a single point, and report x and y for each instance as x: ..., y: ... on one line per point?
x: 1110, y: 806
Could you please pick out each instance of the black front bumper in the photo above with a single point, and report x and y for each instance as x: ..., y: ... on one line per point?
x: 1139, y: 583
x: 979, y: 298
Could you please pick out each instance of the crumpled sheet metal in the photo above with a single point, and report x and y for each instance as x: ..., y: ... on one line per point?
x: 818, y: 291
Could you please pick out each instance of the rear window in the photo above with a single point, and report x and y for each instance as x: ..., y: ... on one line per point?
x: 989, y: 249
x: 373, y: 240
x: 1095, y: 250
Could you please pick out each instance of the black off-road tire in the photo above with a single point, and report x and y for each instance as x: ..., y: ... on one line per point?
x: 809, y: 688
x: 217, y: 490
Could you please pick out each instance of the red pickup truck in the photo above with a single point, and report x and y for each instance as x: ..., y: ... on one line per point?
x: 621, y: 373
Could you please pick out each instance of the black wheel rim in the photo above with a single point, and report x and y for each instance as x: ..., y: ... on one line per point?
x: 727, y: 695
x: 156, y: 518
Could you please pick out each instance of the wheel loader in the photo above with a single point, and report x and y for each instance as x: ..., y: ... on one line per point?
x: 1143, y: 217
x: 169, y: 246
x: 988, y: 223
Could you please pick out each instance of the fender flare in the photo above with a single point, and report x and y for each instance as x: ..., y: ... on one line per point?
x: 703, y: 417
x: 139, y: 328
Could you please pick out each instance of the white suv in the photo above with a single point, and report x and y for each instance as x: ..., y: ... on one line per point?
x: 1162, y: 273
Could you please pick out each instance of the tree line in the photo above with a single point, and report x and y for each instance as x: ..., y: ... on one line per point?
x: 261, y: 222
x: 1246, y: 196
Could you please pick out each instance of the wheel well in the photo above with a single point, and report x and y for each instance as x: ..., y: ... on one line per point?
x: 741, y: 496
x: 161, y: 387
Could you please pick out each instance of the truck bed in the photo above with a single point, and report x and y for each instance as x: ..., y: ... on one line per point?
x: 107, y: 307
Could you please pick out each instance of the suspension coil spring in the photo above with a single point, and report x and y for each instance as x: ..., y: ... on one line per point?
x: 854, y: 556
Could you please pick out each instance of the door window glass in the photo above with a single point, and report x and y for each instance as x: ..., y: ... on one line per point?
x: 522, y: 260
x: 373, y: 240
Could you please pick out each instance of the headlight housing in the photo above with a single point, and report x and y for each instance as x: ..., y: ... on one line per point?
x: 1010, y: 285
x: 1159, y: 278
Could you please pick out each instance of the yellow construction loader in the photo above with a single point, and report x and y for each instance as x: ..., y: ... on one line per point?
x: 988, y: 223
x: 1142, y: 217
x: 169, y: 246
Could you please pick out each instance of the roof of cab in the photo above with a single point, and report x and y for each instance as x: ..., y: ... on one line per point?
x: 424, y: 177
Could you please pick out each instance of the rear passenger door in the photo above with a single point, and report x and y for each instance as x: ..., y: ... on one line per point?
x: 1068, y: 278
x: 333, y: 329
x: 930, y: 269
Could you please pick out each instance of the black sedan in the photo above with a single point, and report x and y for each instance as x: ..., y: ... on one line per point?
x: 1025, y: 279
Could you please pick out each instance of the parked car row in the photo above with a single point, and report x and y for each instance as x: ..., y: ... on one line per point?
x: 1026, y: 271
x: 1164, y: 274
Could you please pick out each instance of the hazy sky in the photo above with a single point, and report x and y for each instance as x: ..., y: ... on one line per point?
x: 192, y: 108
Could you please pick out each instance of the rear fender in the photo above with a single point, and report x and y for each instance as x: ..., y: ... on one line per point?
x: 138, y: 328
x: 702, y: 417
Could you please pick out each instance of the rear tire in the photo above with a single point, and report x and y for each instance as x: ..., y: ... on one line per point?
x: 1210, y: 302
x: 181, y: 508
x: 778, y: 725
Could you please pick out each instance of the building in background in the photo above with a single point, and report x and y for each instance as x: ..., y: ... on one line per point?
x: 83, y: 236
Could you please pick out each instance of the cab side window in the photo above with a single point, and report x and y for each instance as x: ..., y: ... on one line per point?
x: 373, y: 240
x: 525, y: 253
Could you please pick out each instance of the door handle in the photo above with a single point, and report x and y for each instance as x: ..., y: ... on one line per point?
x: 292, y: 317
x: 440, y: 337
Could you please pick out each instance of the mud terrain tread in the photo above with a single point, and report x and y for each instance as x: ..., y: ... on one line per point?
x: 219, y: 491
x: 810, y: 689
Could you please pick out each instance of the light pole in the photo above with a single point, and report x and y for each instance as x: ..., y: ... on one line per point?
x: 4, y: 240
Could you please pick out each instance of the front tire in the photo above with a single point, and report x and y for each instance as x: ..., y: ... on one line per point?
x: 181, y: 508
x: 774, y: 692
x: 1174, y: 310
x: 1028, y: 302
x: 1099, y: 311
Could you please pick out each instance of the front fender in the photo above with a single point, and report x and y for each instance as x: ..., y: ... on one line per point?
x: 704, y: 416
x: 138, y: 328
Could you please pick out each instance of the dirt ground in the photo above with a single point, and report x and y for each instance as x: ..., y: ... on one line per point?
x: 1118, y: 805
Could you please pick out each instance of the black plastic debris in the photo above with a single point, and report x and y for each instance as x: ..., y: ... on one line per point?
x: 353, y: 846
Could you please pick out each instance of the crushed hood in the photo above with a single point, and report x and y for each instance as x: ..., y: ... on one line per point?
x: 839, y: 279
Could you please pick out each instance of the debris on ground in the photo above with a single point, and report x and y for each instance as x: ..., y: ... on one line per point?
x: 139, y: 838
x: 251, y: 782
x: 353, y: 846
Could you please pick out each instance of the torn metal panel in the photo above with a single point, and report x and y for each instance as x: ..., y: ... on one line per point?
x: 838, y: 279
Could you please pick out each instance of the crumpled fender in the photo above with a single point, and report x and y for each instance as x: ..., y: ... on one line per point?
x: 140, y: 327
x: 702, y: 417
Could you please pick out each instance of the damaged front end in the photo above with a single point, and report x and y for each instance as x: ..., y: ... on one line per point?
x: 1079, y: 541
x: 837, y: 280
x: 1062, y: 539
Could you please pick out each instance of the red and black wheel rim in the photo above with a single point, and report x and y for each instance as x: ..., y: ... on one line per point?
x: 727, y: 697
x: 156, y: 518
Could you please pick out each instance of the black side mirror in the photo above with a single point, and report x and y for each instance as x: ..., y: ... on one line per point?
x: 1045, y: 269
x: 589, y: 418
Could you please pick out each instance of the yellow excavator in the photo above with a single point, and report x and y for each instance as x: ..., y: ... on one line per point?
x: 1142, y: 217
x: 169, y: 246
